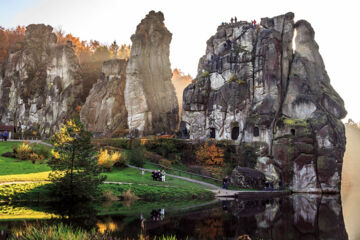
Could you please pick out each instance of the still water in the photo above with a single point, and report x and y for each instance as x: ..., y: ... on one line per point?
x: 298, y: 216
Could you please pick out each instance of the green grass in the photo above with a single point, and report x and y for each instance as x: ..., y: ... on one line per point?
x: 144, y: 187
x: 182, y: 167
x: 11, y: 166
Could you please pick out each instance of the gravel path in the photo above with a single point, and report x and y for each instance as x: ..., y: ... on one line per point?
x: 30, y: 141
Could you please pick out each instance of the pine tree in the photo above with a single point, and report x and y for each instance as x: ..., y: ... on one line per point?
x: 75, y: 173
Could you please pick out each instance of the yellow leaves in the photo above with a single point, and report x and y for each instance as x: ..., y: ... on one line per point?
x: 23, y: 151
x: 107, y: 159
x: 55, y: 154
x: 66, y: 133
x: 115, y: 156
x: 210, y: 155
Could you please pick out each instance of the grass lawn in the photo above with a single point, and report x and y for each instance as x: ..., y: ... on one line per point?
x: 142, y: 185
x: 11, y: 166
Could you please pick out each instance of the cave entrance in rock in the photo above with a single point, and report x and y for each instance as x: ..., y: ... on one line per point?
x: 256, y: 132
x: 235, y: 133
x: 212, y: 133
x: 292, y: 132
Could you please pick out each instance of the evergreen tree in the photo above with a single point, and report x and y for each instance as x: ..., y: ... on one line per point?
x: 75, y: 173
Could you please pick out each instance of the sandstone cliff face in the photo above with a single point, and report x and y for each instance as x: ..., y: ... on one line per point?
x: 150, y: 97
x: 253, y: 87
x: 39, y: 83
x: 104, y: 111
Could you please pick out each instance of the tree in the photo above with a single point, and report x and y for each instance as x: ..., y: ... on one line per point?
x: 124, y: 52
x: 210, y: 155
x: 114, y: 48
x: 75, y: 171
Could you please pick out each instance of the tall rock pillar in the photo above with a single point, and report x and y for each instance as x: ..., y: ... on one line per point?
x: 150, y: 97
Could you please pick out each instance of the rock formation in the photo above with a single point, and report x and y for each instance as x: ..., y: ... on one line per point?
x: 150, y: 97
x: 253, y: 86
x: 104, y: 111
x: 39, y: 83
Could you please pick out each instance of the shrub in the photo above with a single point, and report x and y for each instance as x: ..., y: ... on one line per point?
x: 35, y: 157
x: 129, y: 196
x: 41, y: 150
x: 205, y: 74
x: 122, y: 160
x: 164, y: 146
x: 165, y: 163
x: 23, y: 151
x: 110, y: 196
x: 210, y: 155
x: 136, y: 156
x: 108, y: 160
x: 114, y: 142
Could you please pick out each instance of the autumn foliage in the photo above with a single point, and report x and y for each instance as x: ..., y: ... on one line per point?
x: 10, y: 39
x: 210, y: 155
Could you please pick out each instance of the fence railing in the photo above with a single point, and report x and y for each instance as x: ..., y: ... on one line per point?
x: 185, y: 172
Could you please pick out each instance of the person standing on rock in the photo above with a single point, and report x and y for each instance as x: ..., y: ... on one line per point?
x: 232, y: 20
x: 235, y: 19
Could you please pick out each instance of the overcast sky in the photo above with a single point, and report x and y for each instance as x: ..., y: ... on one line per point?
x: 192, y: 22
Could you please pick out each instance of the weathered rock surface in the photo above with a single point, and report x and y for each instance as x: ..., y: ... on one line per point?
x: 104, y: 111
x: 150, y: 97
x: 253, y: 86
x: 247, y: 178
x: 40, y: 83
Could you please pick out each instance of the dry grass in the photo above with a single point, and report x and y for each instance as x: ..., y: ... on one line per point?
x: 129, y: 196
x: 110, y: 196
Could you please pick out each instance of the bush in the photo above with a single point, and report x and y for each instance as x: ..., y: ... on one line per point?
x: 35, y: 157
x: 205, y: 74
x: 41, y: 150
x: 164, y: 146
x: 209, y: 155
x: 136, y: 156
x: 165, y: 163
x: 108, y: 160
x: 23, y: 151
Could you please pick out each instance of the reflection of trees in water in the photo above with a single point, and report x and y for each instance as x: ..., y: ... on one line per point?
x: 299, y: 216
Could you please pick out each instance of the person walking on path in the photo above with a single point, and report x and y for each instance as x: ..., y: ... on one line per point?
x: 163, y: 176
x: 5, y: 135
x: 225, y: 182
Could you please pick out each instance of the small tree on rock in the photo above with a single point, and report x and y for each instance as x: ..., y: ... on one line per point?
x: 75, y: 171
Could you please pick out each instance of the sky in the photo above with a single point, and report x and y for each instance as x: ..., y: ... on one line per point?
x: 193, y: 22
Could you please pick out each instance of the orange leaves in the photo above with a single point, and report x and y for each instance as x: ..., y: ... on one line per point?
x: 209, y: 154
x: 78, y: 108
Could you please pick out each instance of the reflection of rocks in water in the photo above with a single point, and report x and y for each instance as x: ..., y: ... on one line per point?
x: 305, y: 212
x: 299, y: 216
x: 331, y: 221
x: 266, y: 218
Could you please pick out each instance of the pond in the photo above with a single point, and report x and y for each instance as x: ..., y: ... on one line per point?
x: 298, y: 216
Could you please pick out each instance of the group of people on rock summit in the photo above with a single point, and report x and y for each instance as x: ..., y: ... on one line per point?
x: 234, y: 20
x: 4, y: 136
x: 158, y: 175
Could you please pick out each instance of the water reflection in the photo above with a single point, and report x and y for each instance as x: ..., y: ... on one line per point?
x: 299, y: 216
